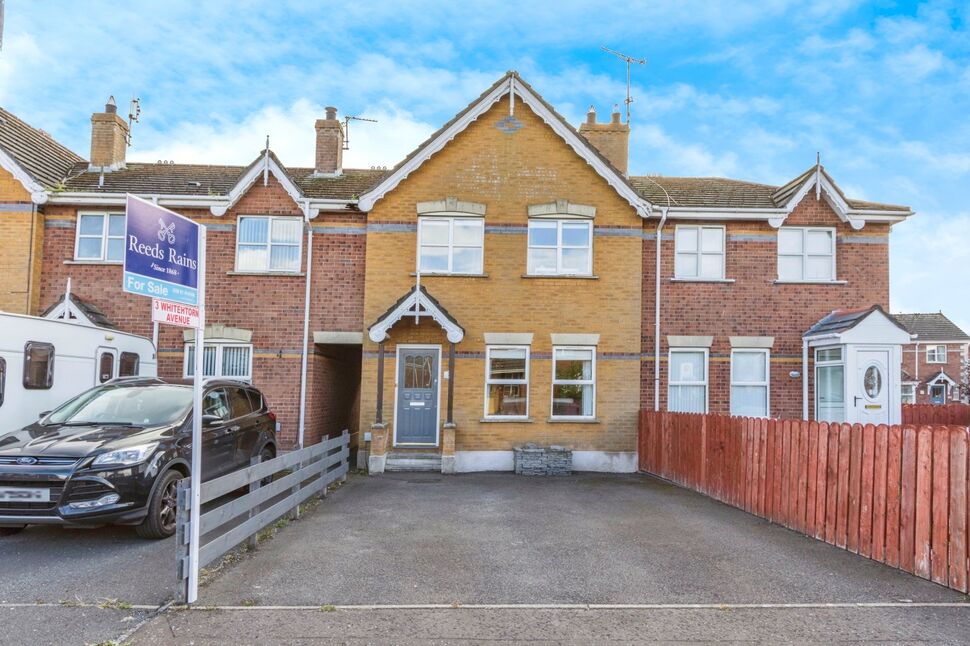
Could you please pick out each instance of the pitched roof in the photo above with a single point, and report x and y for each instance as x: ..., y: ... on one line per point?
x: 932, y: 326
x: 34, y: 151
x: 200, y: 179
x: 841, y: 320
x: 511, y: 84
x: 89, y: 309
x: 715, y: 192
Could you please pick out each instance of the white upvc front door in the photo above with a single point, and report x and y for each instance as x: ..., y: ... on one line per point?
x: 871, y: 386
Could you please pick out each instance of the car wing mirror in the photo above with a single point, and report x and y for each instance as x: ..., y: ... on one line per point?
x: 44, y: 414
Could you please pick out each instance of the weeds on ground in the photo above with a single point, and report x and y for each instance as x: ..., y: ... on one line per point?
x: 114, y: 604
x: 328, y: 608
x: 111, y: 642
x: 249, y: 603
x: 71, y: 603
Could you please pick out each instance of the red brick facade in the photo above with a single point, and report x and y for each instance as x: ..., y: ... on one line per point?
x: 917, y: 368
x: 271, y: 306
x: 754, y: 304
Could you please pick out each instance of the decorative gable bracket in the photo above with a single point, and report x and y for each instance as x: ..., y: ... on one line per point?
x: 265, y: 165
x: 417, y: 303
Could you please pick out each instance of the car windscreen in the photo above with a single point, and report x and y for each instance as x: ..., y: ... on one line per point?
x: 136, y: 405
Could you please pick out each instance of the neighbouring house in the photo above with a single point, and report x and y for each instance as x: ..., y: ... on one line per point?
x: 508, y: 282
x: 934, y: 362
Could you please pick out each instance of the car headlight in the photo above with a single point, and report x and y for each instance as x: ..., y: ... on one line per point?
x: 127, y: 456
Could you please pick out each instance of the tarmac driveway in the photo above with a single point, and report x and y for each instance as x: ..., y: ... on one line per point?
x: 505, y: 539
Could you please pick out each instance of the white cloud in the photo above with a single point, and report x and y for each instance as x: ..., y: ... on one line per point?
x: 930, y: 265
x: 667, y: 156
x: 292, y: 137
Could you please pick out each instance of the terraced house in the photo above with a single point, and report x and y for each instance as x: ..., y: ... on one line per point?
x: 508, y: 282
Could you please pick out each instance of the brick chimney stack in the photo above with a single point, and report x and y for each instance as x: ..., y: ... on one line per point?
x: 611, y: 139
x: 109, y: 138
x: 330, y: 145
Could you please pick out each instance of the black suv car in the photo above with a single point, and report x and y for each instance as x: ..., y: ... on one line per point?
x: 115, y: 453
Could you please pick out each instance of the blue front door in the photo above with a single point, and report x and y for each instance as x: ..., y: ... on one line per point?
x: 938, y: 394
x: 417, y: 396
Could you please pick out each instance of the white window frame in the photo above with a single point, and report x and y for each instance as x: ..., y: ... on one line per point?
x: 489, y: 381
x: 820, y: 363
x: 269, y: 244
x: 450, y: 246
x: 220, y: 346
x: 707, y: 375
x: 698, y: 253
x: 573, y: 382
x: 907, y: 397
x: 530, y: 270
x: 805, y: 255
x: 104, y: 237
x: 766, y: 384
x: 935, y: 356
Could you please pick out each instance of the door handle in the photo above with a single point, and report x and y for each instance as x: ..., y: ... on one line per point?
x: 233, y: 429
x: 855, y: 401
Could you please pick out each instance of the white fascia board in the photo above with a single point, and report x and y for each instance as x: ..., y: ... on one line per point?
x: 246, y: 181
x: 118, y: 199
x: 38, y: 194
x: 619, y: 184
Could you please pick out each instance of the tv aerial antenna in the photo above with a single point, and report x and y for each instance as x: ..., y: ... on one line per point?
x: 347, y: 120
x: 134, y: 112
x: 630, y: 61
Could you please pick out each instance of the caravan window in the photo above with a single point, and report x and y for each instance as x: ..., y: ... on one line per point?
x: 38, y: 365
x: 106, y: 367
x: 129, y: 365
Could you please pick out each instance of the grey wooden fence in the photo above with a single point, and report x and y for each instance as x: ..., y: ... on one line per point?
x: 297, y: 475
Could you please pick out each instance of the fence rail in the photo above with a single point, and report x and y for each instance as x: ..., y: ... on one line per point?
x: 958, y: 414
x: 895, y: 494
x: 297, y: 476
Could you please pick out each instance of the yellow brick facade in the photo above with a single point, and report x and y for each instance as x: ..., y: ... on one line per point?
x: 22, y: 236
x: 508, y: 173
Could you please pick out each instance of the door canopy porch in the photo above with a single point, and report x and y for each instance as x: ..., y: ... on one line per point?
x: 417, y: 303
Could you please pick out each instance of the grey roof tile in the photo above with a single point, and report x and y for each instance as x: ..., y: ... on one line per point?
x: 932, y: 326
x: 35, y: 151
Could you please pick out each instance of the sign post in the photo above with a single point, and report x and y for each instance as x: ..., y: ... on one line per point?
x: 165, y: 259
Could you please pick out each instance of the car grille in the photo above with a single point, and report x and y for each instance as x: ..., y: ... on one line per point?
x: 87, y: 490
x: 45, y: 461
x: 8, y: 508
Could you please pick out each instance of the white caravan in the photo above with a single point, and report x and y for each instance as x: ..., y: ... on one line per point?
x: 45, y: 362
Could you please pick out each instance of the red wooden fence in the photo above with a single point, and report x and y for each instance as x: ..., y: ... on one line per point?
x: 895, y: 494
x: 958, y: 414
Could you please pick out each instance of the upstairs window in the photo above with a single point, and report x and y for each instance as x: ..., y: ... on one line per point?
x: 100, y: 237
x: 560, y: 247
x: 936, y: 354
x: 451, y: 245
x: 806, y: 254
x: 699, y: 253
x: 229, y: 360
x: 269, y: 244
x: 38, y: 366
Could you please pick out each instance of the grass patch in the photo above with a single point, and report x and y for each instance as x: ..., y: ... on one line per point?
x: 328, y: 608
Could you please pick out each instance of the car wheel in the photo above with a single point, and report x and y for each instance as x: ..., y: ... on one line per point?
x: 10, y: 531
x: 162, y: 508
x: 265, y: 455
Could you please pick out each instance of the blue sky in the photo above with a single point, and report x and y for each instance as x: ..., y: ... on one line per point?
x: 737, y: 89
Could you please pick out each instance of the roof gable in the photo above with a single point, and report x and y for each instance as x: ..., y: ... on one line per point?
x: 868, y: 325
x: 263, y: 166
x: 513, y: 87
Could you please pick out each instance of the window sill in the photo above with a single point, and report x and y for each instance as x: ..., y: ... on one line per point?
x: 702, y: 280
x: 116, y: 263
x: 811, y: 282
x: 573, y: 420
x: 567, y: 276
x: 506, y: 420
x: 266, y: 273
x: 432, y: 274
